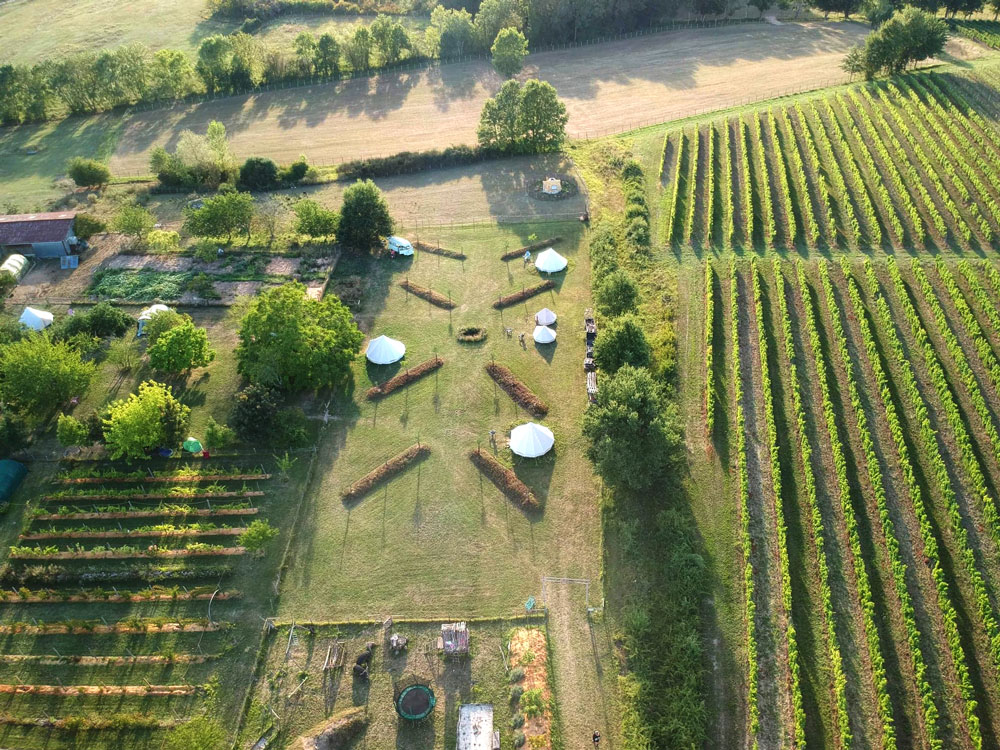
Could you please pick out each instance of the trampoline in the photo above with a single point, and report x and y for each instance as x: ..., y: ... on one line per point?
x: 415, y: 702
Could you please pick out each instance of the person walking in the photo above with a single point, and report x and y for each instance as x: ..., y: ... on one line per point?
x: 597, y: 738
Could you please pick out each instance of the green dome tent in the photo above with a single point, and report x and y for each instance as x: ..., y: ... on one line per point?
x: 12, y: 473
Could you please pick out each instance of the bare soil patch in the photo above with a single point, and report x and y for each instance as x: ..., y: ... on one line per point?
x: 608, y: 87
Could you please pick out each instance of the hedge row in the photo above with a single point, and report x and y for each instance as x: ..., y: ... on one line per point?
x: 407, y: 162
x: 910, y: 391
x: 435, y: 298
x: 709, y: 348
x: 832, y: 417
x: 540, y: 245
x: 929, y: 710
x: 436, y: 250
x: 747, y: 206
x: 404, y: 378
x: 670, y: 222
x: 781, y: 529
x: 518, y: 391
x: 531, y: 291
x: 385, y: 472
x: 784, y: 186
x: 505, y: 480
x: 132, y: 626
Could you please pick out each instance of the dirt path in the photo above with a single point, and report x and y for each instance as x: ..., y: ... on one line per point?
x: 607, y: 88
x: 584, y: 675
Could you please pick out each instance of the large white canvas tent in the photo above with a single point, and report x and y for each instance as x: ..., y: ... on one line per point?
x: 146, y: 315
x: 544, y: 335
x: 531, y: 440
x: 545, y: 317
x: 34, y: 319
x: 549, y: 261
x: 384, y: 350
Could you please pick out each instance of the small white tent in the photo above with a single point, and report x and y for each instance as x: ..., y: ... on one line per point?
x: 34, y: 319
x: 531, y: 440
x: 544, y: 335
x: 545, y: 317
x: 146, y: 315
x: 549, y: 261
x: 384, y: 350
x: 401, y: 246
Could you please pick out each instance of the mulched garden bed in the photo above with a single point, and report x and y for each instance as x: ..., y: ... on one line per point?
x: 471, y: 335
x: 404, y: 378
x: 160, y: 691
x: 383, y: 473
x: 517, y: 390
x: 117, y: 555
x: 110, y: 516
x: 59, y: 597
x: 145, y: 496
x: 531, y: 291
x: 505, y: 480
x: 435, y: 298
x: 541, y: 245
x: 125, y: 628
x: 424, y: 247
x: 129, y: 534
x: 178, y: 479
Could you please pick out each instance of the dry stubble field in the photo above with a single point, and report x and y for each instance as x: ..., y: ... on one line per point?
x: 606, y: 87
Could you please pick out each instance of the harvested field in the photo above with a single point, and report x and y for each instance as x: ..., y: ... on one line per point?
x: 531, y: 291
x: 435, y: 298
x: 404, y: 378
x: 505, y: 479
x: 608, y: 87
x: 384, y: 473
x: 517, y: 390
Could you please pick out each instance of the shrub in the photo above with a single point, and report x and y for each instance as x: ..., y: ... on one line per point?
x: 290, y: 427
x: 37, y: 373
x: 88, y: 172
x: 516, y: 691
x: 409, y: 161
x: 257, y: 535
x: 622, y: 342
x: 255, y: 413
x: 532, y: 703
x: 163, y: 241
x: 404, y: 378
x: 531, y: 247
x: 86, y: 226
x: 505, y: 480
x: 435, y: 298
x: 162, y: 322
x: 436, y: 250
x: 617, y: 294
x: 218, y: 435
x: 517, y: 390
x: 517, y: 721
x: 180, y: 349
x: 313, y: 220
x: 71, y: 431
x: 145, y: 420
x: 294, y: 172
x: 102, y: 320
x: 384, y: 473
x: 124, y: 355
x: 531, y: 291
x: 519, y: 739
x: 516, y: 674
x: 637, y: 232
x: 471, y: 334
x: 7, y: 283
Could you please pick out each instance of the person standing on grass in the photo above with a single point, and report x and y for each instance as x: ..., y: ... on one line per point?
x: 597, y: 738
x: 527, y: 256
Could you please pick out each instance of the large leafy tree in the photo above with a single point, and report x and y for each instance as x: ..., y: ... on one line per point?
x: 145, y: 420
x: 291, y: 341
x: 631, y: 436
x: 364, y: 216
x: 37, y: 372
x: 180, y: 349
x: 222, y: 215
x: 509, y: 51
x: 135, y: 221
x: 451, y: 32
x: 327, y: 56
x: 494, y: 16
x: 313, y: 220
x: 542, y: 117
x: 616, y: 294
x: 498, y: 121
x: 622, y: 342
x: 390, y: 38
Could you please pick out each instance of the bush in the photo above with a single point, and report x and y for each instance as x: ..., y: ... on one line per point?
x: 603, y: 250
x: 622, y: 342
x: 88, y: 172
x: 406, y: 377
x: 532, y: 703
x: 7, y: 283
x: 145, y: 420
x: 86, y: 226
x: 519, y: 739
x: 294, y: 172
x: 71, y: 431
x: 290, y: 428
x: 259, y: 173
x: 313, y: 220
x: 255, y: 413
x: 124, y: 354
x: 180, y: 349
x: 617, y: 294
x: 257, y: 535
x: 162, y: 322
x: 384, y: 473
x: 505, y: 480
x: 218, y: 435
x: 517, y: 390
x: 13, y: 434
x: 531, y: 291
x: 516, y: 674
x: 516, y: 691
x: 364, y: 217
x: 517, y: 721
x: 637, y: 232
x: 163, y: 241
x: 102, y: 320
x: 37, y: 373
x: 410, y: 161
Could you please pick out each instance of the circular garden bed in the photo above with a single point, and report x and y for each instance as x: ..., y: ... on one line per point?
x: 471, y: 335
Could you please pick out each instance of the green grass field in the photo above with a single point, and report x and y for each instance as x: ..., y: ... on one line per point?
x: 440, y: 539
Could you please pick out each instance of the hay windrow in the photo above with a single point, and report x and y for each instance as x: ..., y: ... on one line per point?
x: 517, y: 390
x: 541, y: 245
x: 435, y: 298
x: 404, y: 378
x: 424, y: 247
x: 505, y: 480
x: 395, y: 465
x: 531, y: 291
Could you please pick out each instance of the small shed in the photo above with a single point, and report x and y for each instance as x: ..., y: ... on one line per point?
x: 12, y: 473
x: 454, y: 638
x: 552, y: 186
x: 475, y: 728
x: 46, y: 235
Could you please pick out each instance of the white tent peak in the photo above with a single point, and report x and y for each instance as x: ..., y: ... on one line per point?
x: 545, y: 317
x: 544, y: 335
x: 549, y: 261
x: 384, y: 350
x: 35, y: 319
x: 146, y: 315
x: 531, y: 440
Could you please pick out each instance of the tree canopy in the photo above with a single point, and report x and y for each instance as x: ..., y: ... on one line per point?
x: 909, y: 36
x: 526, y: 118
x: 88, y: 172
x: 616, y: 294
x: 622, y: 342
x: 509, y: 51
x: 180, y: 349
x: 364, y: 217
x: 133, y: 220
x: 150, y: 418
x: 38, y: 373
x: 294, y: 342
x: 313, y: 220
x: 221, y: 215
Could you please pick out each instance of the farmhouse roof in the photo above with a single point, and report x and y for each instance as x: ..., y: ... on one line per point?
x: 25, y: 229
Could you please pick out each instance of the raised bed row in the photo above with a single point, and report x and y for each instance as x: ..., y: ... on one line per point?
x: 131, y: 533
x: 95, y: 497
x: 48, y: 596
x: 126, y: 627
x: 121, y: 553
x: 126, y: 514
x: 177, y: 479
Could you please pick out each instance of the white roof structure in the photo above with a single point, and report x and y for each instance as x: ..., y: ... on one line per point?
x: 531, y: 440
x: 401, y: 245
x: 544, y: 335
x: 384, y: 350
x: 150, y: 311
x: 549, y: 261
x: 475, y: 726
x: 545, y: 317
x: 34, y: 319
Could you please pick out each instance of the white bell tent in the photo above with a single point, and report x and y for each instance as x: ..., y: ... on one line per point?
x: 549, y: 261
x: 545, y: 317
x: 543, y: 335
x: 384, y: 350
x: 531, y: 440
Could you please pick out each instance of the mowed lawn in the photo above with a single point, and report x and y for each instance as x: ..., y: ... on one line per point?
x: 441, y: 540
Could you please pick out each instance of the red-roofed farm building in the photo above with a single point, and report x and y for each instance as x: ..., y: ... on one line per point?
x: 45, y: 235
